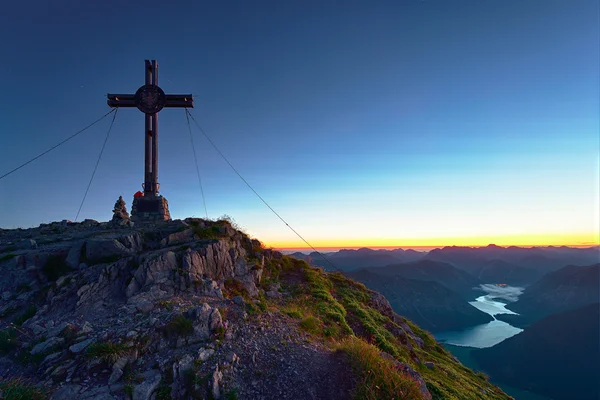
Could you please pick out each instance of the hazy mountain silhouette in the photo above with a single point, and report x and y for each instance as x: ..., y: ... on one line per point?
x: 350, y: 260
x: 562, y: 290
x: 526, y: 265
x: 505, y: 272
x: 557, y: 356
x: 524, y: 260
x: 428, y: 303
x: 445, y: 274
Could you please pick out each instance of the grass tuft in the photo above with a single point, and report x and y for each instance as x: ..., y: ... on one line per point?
x: 8, y: 340
x: 234, y: 287
x: 107, y: 351
x: 180, y: 326
x: 378, y: 377
x: 7, y: 257
x: 55, y: 267
x: 28, y: 313
x: 311, y: 324
x: 19, y: 389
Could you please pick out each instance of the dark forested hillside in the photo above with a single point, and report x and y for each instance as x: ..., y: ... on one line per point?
x: 558, y: 356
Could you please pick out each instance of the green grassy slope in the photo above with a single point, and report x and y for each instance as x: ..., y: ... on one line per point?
x: 342, y: 312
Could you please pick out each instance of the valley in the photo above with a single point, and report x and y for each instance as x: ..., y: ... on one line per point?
x: 527, y: 317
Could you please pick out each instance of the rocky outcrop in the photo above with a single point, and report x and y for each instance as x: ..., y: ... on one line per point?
x: 107, y: 248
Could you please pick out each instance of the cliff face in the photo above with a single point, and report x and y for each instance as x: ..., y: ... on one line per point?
x: 196, y: 309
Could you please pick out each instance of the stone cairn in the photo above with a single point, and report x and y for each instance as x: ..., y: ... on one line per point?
x: 120, y: 215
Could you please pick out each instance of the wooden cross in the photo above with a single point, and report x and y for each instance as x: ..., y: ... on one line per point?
x: 150, y: 99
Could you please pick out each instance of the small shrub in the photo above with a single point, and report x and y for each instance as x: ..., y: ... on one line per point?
x: 107, y: 351
x: 311, y: 324
x: 251, y: 309
x: 70, y: 333
x: 7, y: 257
x: 19, y: 389
x: 482, y: 375
x: 227, y: 220
x: 231, y: 395
x: 234, y: 288
x: 8, y: 340
x: 220, y: 333
x: 294, y: 313
x: 128, y: 389
x: 24, y: 357
x: 211, y: 233
x: 24, y: 287
x: 166, y: 304
x: 28, y: 313
x: 179, y: 325
x: 9, y: 311
x: 163, y: 392
x: 55, y: 267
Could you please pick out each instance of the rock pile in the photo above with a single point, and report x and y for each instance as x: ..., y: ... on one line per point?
x: 120, y: 215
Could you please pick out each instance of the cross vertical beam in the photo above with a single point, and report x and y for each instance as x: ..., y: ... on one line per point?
x: 150, y: 99
x: 148, y: 187
x: 155, y: 135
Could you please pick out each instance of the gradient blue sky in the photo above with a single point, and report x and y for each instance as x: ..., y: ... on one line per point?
x: 363, y: 123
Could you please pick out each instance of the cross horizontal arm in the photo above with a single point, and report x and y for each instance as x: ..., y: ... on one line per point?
x: 172, y: 100
x: 180, y: 100
x: 121, y: 100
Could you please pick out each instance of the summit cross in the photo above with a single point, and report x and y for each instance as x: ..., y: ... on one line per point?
x: 150, y: 99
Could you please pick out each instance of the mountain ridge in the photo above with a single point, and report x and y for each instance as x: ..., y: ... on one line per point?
x: 196, y: 309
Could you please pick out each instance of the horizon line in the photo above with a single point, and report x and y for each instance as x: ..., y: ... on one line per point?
x: 429, y: 248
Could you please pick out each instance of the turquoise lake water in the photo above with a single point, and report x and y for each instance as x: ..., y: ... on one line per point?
x: 461, y: 343
x: 493, y: 302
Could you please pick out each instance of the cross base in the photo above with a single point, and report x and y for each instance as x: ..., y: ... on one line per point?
x: 150, y: 208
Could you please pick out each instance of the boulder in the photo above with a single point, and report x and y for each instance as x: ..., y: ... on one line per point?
x: 117, y: 370
x: 144, y: 390
x: 74, y: 256
x: 154, y: 270
x: 184, y: 236
x: 47, y: 345
x: 205, y: 354
x: 215, y: 383
x: 79, y: 347
x: 105, y: 248
x: 68, y: 392
x: 205, y: 320
x: 27, y: 244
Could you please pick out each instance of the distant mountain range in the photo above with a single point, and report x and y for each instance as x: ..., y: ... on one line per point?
x: 349, y: 260
x: 525, y: 265
x: 557, y: 356
x: 434, y: 288
x: 562, y: 290
x: 445, y: 274
x: 491, y: 264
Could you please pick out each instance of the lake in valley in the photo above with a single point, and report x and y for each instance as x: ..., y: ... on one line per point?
x: 460, y: 343
x: 486, y: 335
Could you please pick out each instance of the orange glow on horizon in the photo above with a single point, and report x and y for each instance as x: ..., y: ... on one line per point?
x: 574, y: 240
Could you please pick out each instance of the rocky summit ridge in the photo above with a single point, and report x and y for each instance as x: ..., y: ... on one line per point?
x: 195, y: 309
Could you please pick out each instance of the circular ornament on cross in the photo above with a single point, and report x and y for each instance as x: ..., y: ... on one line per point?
x: 150, y: 99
